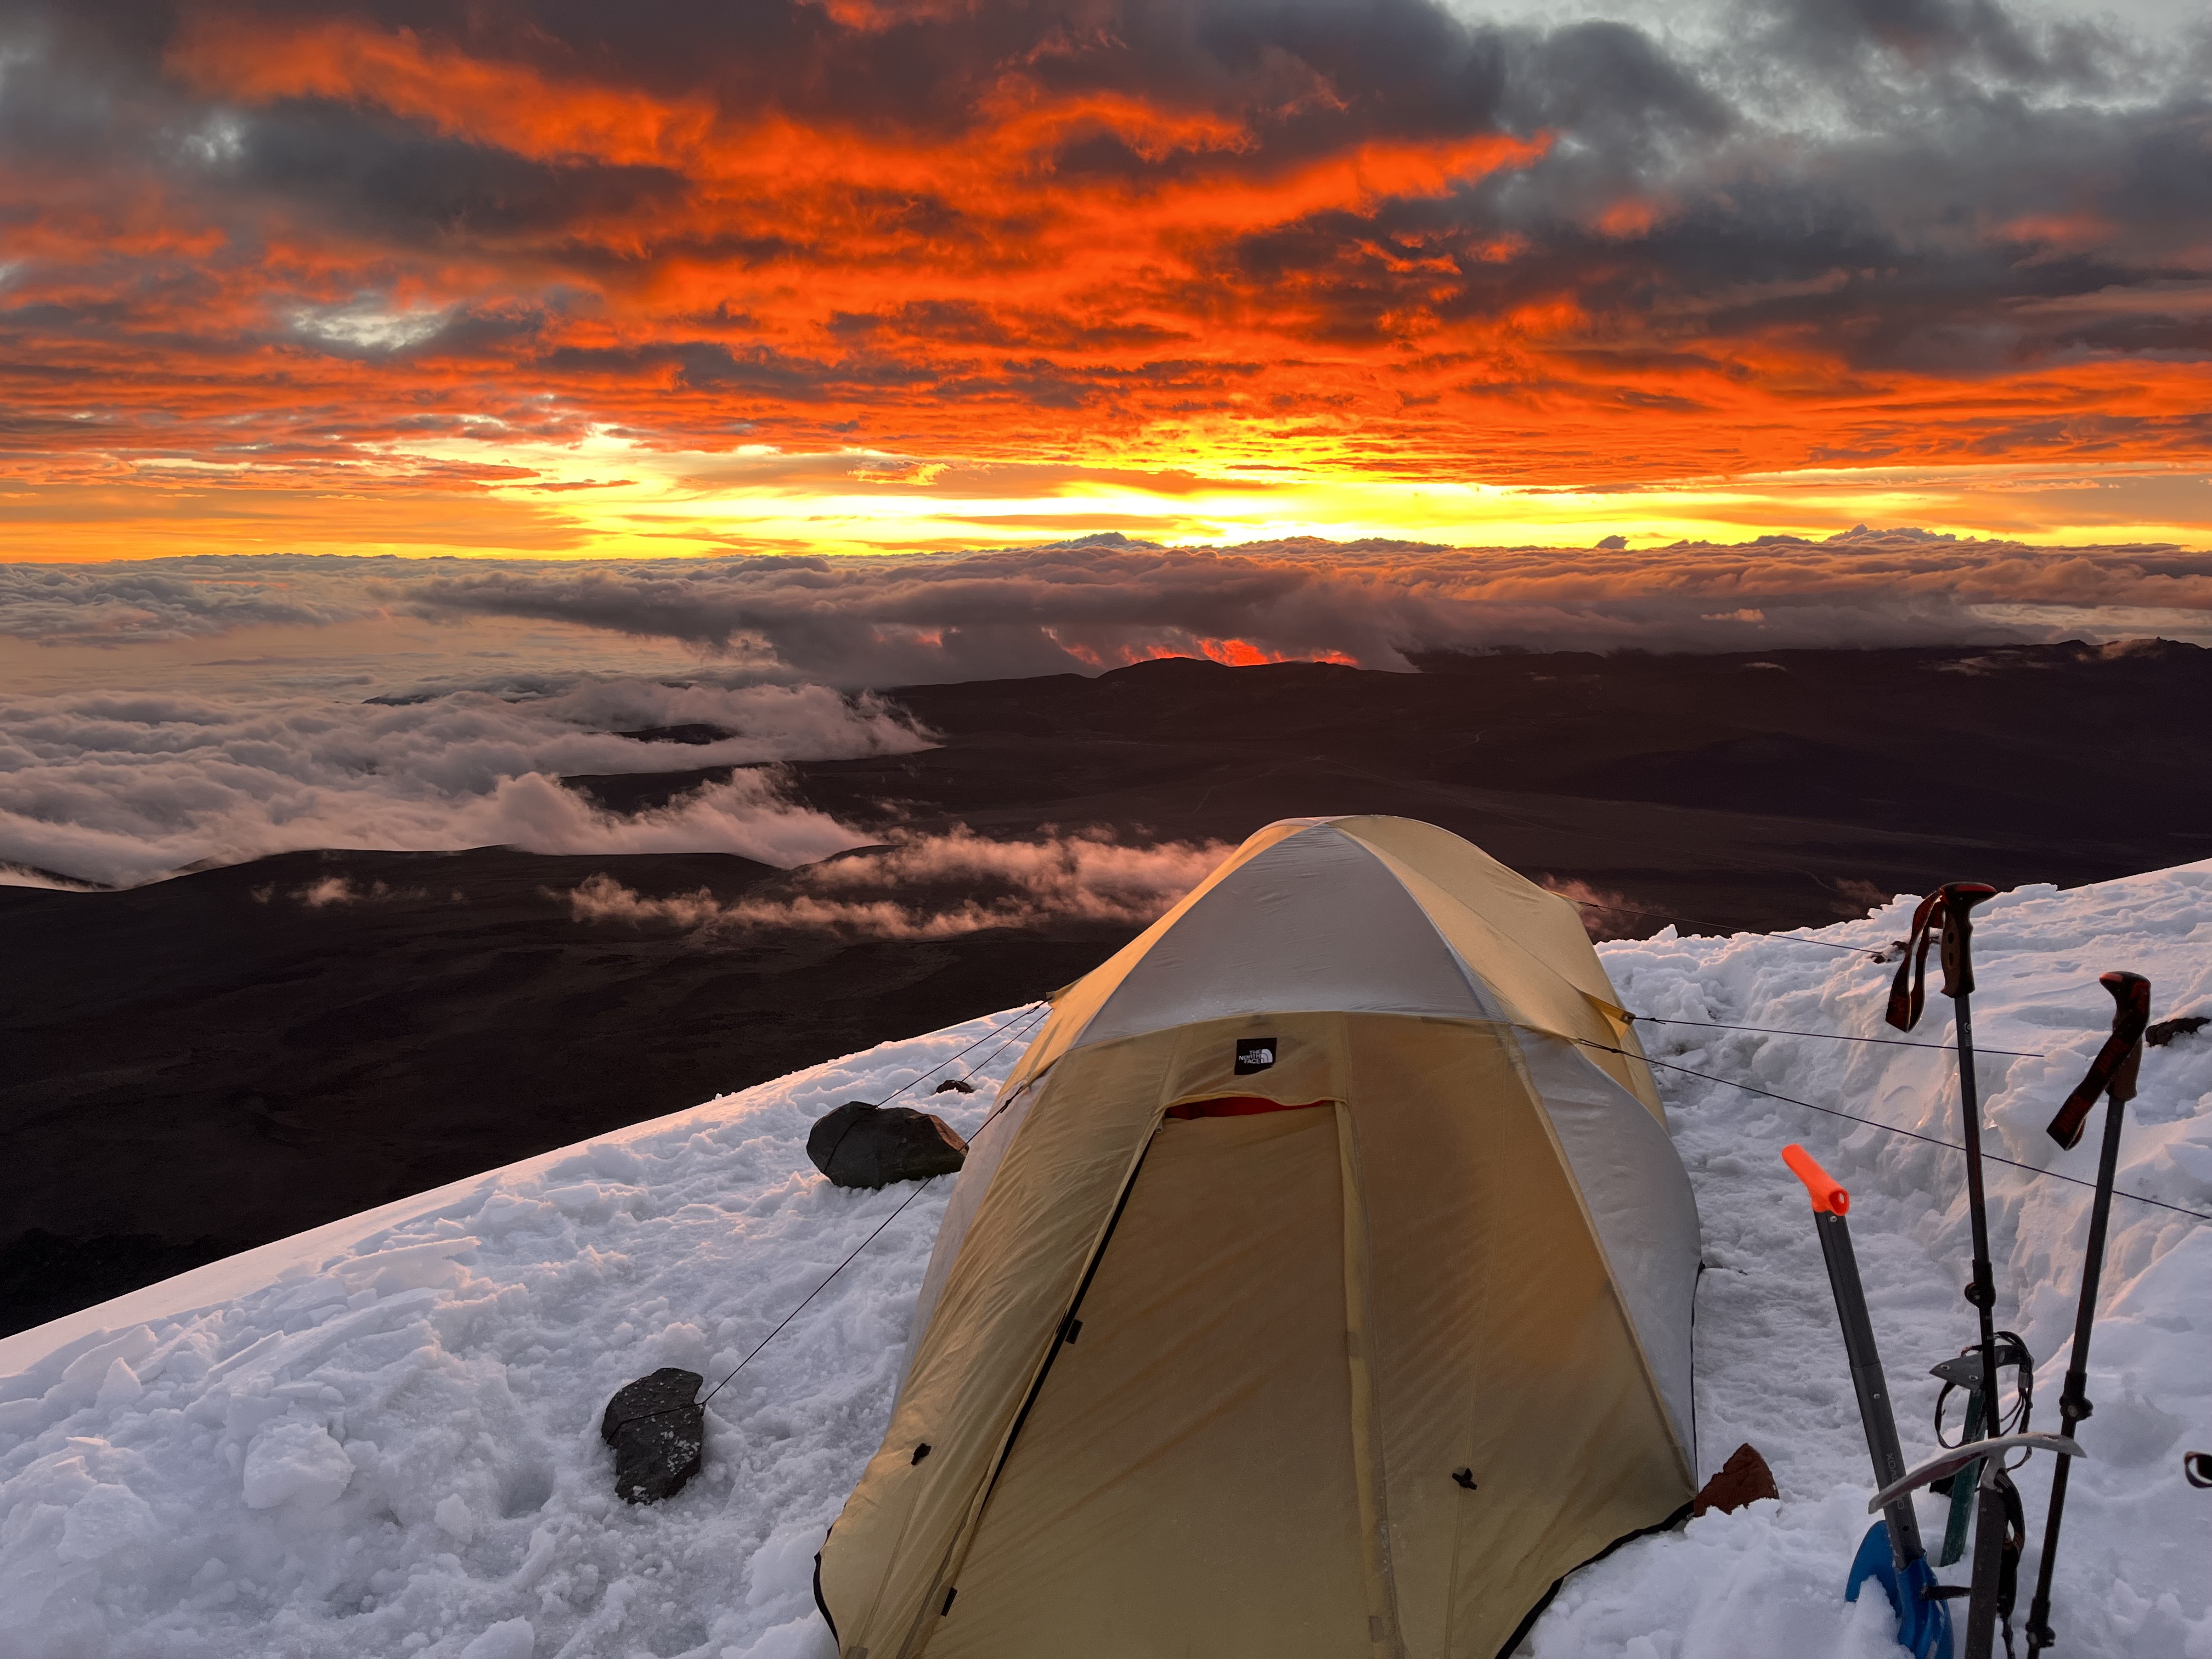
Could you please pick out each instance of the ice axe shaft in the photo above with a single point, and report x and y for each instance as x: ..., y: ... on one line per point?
x: 1831, y: 1202
x: 1890, y: 1553
x: 2112, y: 1074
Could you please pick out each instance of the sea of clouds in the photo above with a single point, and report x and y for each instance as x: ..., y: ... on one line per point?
x: 123, y: 787
x: 1104, y: 600
x: 128, y: 767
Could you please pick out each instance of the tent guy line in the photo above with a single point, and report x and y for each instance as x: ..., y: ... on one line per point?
x: 1647, y: 1019
x: 1911, y: 1134
x: 919, y: 1190
x: 1717, y: 927
x: 1830, y: 1036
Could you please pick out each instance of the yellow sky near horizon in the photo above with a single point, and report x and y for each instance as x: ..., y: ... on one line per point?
x: 609, y: 498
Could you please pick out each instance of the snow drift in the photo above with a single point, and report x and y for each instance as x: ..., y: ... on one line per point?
x: 382, y: 1435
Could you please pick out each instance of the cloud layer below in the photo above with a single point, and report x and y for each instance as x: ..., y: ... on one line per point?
x: 535, y: 278
x: 123, y: 788
x: 447, y: 744
x: 925, y: 887
x: 1078, y: 607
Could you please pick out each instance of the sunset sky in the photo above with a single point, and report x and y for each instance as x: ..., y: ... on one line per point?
x: 548, y: 278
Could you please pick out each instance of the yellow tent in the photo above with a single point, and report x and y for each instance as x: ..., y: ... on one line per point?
x: 1314, y: 1292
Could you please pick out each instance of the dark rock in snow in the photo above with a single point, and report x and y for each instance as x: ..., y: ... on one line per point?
x: 2165, y: 1030
x: 862, y: 1145
x: 1744, y: 1479
x: 958, y: 1086
x: 659, y: 1431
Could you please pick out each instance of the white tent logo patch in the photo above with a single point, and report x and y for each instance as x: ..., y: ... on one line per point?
x: 1254, y: 1054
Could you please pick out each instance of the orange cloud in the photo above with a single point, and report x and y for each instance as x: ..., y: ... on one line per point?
x: 443, y: 86
x: 359, y: 279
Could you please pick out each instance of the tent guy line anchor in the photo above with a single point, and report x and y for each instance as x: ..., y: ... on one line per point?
x: 1892, y: 1128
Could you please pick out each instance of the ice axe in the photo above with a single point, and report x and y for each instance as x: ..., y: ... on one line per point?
x: 2111, y: 1074
x: 1890, y: 1553
x: 1947, y: 913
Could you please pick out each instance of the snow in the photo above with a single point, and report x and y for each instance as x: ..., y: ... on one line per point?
x: 381, y: 1436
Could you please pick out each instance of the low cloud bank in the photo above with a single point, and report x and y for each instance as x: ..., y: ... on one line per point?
x: 124, y: 788
x: 1096, y: 604
x: 936, y: 887
x: 1104, y: 601
x: 156, y: 601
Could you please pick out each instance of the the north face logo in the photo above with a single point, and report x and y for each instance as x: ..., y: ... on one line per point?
x: 1254, y: 1054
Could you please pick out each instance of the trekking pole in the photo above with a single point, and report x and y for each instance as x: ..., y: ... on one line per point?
x: 1947, y: 910
x: 1891, y: 1552
x: 2111, y: 1074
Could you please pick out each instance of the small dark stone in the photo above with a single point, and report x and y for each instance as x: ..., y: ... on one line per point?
x: 1744, y: 1479
x: 659, y: 1431
x: 2165, y: 1030
x: 860, y: 1145
x: 957, y: 1085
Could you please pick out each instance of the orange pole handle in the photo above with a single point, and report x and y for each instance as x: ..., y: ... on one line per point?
x: 1828, y: 1195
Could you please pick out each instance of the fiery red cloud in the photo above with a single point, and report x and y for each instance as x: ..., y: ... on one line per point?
x: 534, y: 276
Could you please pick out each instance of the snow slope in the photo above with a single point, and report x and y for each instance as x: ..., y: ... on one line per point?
x: 382, y: 1438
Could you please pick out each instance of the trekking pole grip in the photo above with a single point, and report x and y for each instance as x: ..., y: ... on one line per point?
x: 2114, y: 1068
x: 1959, y: 898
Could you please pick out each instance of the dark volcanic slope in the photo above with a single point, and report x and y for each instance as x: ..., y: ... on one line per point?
x: 204, y: 1065
x: 1763, y: 792
x: 191, y: 1068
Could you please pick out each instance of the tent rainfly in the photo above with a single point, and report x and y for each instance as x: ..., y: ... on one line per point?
x: 1314, y: 1295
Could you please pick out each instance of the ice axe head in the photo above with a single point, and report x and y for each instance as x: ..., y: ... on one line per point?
x: 2113, y: 1071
